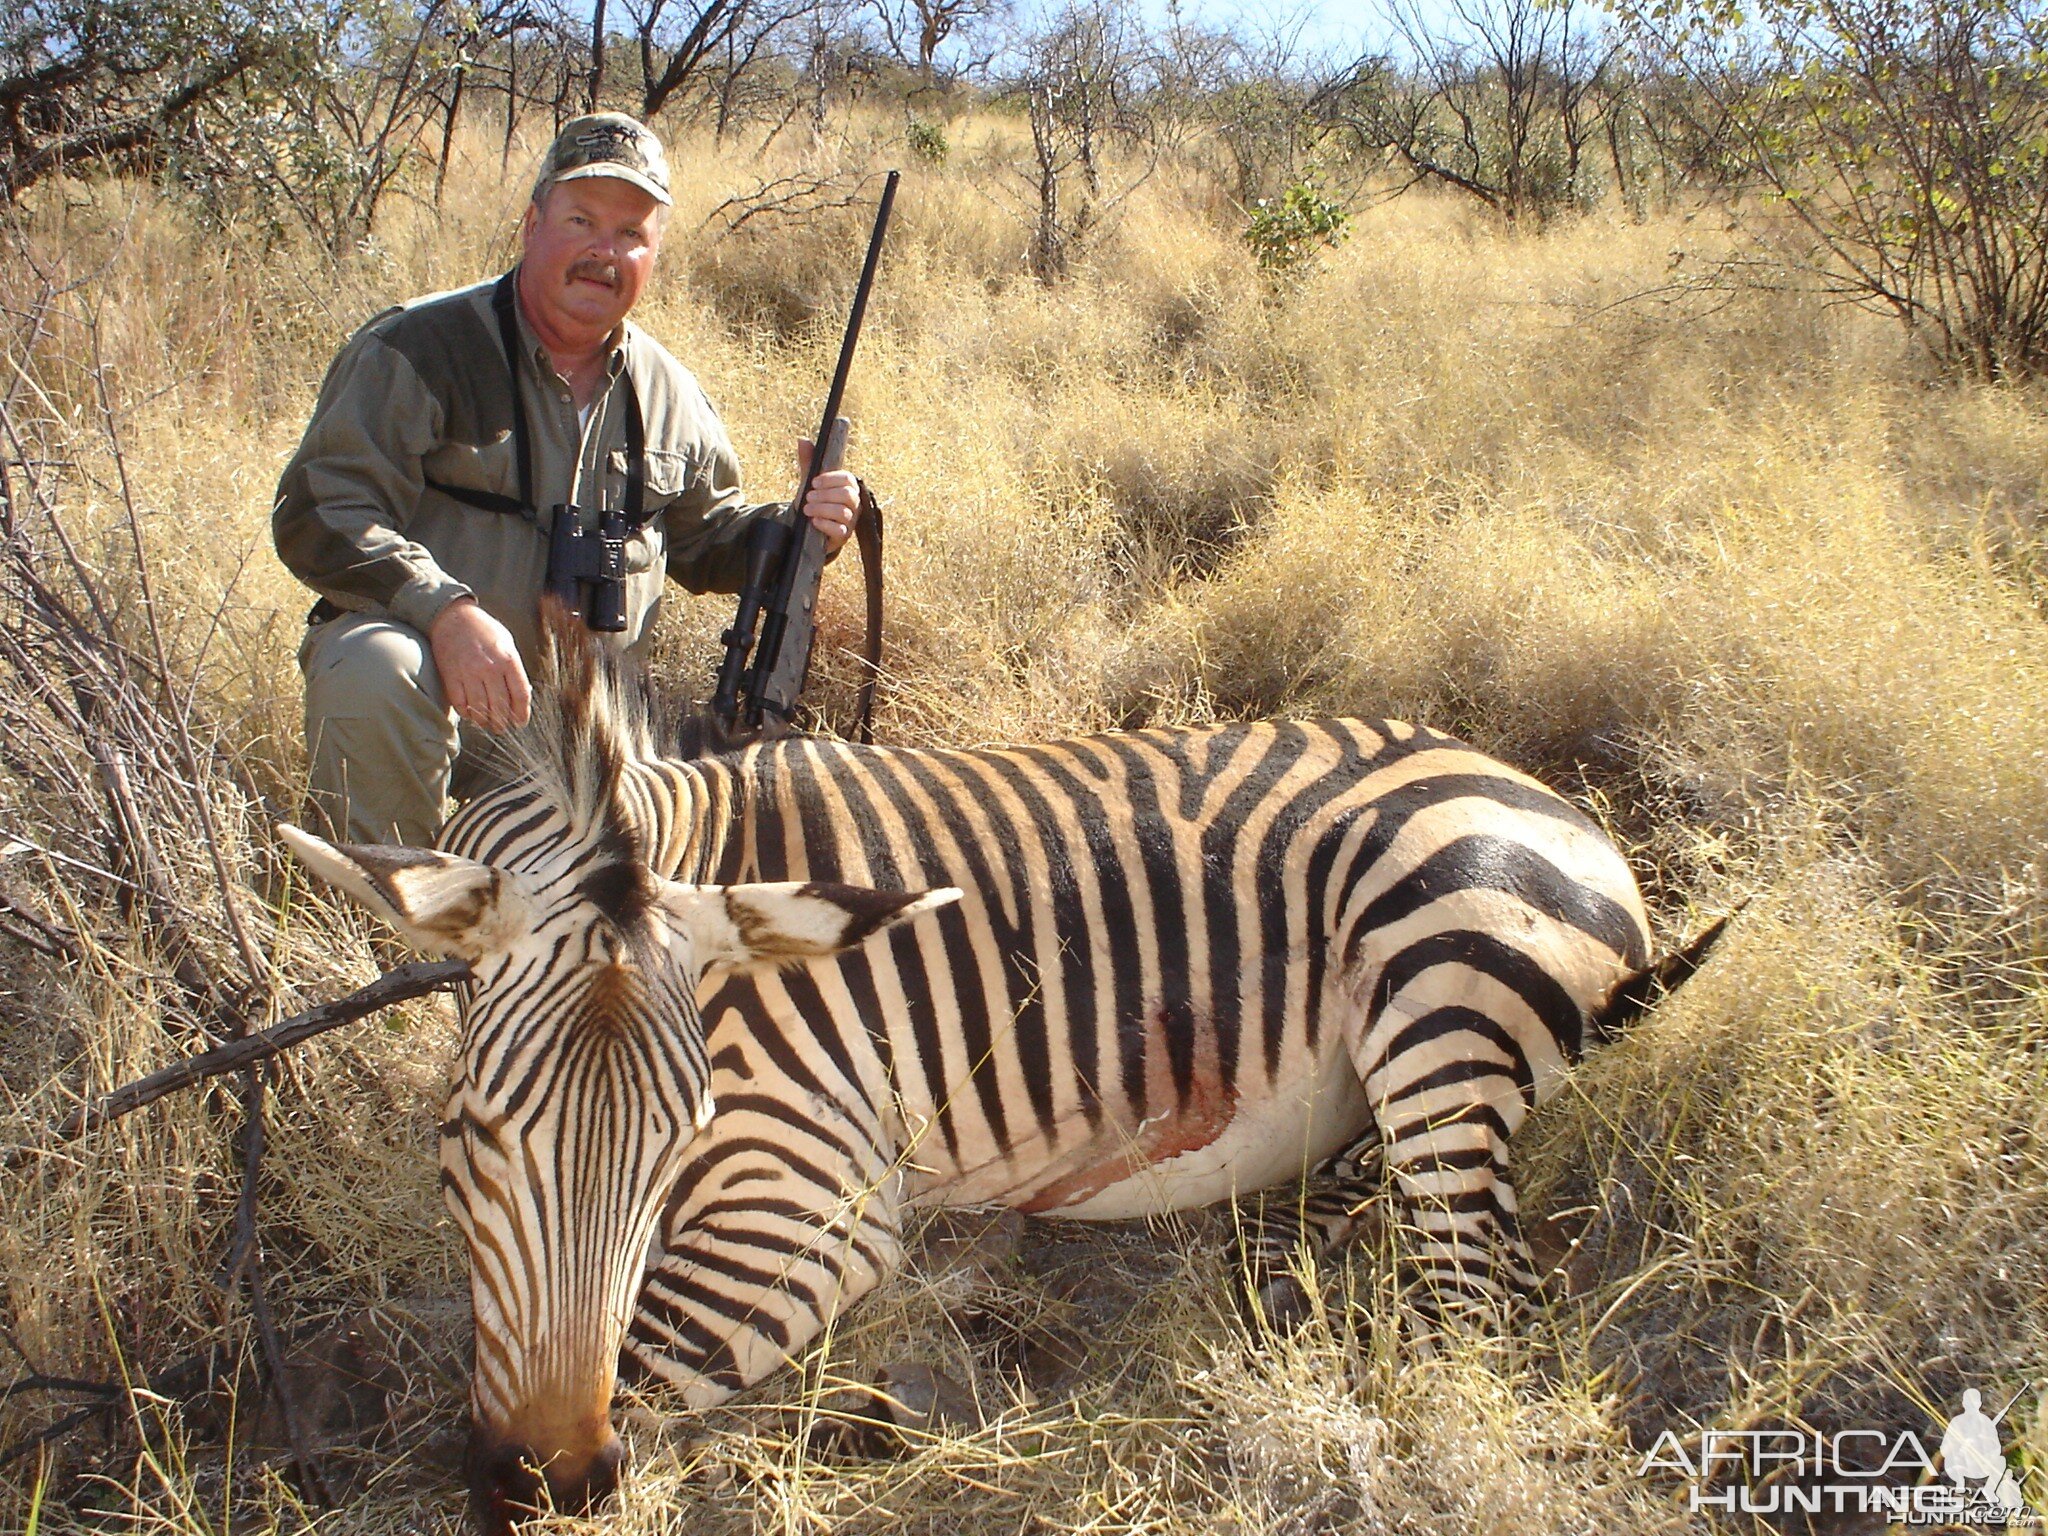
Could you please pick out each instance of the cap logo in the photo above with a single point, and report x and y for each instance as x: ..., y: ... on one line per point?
x: 609, y: 139
x: 605, y: 144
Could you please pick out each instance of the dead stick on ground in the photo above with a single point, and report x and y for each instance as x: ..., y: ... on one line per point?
x: 246, y: 1262
x: 414, y: 979
x: 43, y: 1437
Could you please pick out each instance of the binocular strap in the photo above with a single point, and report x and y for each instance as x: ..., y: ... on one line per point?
x: 867, y: 535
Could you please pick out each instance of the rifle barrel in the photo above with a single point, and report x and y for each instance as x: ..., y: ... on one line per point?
x: 859, y: 311
x: 775, y: 620
x: 1999, y: 1416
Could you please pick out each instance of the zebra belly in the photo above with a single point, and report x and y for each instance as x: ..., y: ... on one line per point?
x: 1272, y: 1138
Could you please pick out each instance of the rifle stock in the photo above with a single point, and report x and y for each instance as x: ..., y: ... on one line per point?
x: 789, y: 623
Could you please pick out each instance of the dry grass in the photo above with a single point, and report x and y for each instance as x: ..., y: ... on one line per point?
x: 1733, y: 571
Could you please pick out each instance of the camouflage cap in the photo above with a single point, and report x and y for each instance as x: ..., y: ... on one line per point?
x: 606, y: 144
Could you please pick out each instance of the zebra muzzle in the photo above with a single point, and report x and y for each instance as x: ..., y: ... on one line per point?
x: 507, y: 1484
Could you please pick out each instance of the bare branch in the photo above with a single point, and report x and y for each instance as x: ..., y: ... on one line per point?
x: 787, y: 197
x: 414, y: 979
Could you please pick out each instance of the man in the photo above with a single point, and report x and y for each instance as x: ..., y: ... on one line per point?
x: 449, y: 435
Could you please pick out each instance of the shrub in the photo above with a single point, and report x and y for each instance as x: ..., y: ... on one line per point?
x: 1903, y: 149
x: 927, y: 140
x: 1286, y: 232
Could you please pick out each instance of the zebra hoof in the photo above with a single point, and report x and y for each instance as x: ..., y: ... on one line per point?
x: 1277, y: 1304
x: 909, y: 1404
x: 922, y: 1401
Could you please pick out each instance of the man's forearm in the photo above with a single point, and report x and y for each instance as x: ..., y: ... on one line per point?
x: 357, y: 564
x: 712, y: 555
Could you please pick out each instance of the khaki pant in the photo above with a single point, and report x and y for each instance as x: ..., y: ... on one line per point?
x: 386, y: 749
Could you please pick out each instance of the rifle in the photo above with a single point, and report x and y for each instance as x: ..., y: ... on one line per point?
x: 785, y: 560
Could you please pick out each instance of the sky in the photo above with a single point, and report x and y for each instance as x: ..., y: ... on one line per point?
x: 1315, y: 26
x: 1344, y: 28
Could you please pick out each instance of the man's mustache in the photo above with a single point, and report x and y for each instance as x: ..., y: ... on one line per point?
x: 597, y: 271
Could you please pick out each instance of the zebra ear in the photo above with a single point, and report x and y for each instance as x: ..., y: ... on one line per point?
x: 780, y: 924
x: 438, y: 903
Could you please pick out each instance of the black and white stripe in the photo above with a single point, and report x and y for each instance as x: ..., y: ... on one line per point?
x: 1183, y: 966
x: 1187, y: 964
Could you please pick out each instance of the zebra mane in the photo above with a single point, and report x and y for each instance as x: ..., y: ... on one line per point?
x: 589, y: 723
x: 699, y: 735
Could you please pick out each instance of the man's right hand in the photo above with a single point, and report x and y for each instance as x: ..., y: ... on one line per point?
x: 479, y: 665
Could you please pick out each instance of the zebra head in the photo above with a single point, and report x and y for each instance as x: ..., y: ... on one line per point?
x: 583, y: 1075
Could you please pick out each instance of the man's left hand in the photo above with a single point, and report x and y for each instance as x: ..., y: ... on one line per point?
x: 834, y: 501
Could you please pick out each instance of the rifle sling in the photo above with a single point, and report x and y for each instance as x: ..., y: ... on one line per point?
x: 867, y: 534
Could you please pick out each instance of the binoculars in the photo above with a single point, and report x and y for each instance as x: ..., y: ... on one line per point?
x: 587, y: 567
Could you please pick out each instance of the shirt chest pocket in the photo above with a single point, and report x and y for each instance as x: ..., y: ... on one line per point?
x: 491, y: 467
x: 668, y: 476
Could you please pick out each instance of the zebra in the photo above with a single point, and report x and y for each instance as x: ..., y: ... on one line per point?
x: 734, y: 1017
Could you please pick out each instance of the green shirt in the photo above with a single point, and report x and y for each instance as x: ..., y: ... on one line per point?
x: 421, y: 394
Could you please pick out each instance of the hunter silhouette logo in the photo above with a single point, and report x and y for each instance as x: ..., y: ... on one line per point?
x: 1970, y: 1453
x: 1965, y: 1482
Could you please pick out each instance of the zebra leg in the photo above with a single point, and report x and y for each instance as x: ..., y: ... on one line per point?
x: 1447, y: 1071
x: 1462, y: 1256
x: 753, y: 1266
x: 1283, y: 1237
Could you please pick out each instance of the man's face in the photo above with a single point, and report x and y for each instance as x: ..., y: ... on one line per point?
x: 589, y: 250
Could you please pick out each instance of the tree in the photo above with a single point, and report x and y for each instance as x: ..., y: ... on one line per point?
x: 676, y: 38
x: 331, y: 140
x: 595, y: 92
x: 1902, y: 147
x: 1247, y: 93
x: 470, y: 35
x: 715, y: 44
x: 915, y: 30
x: 85, y: 81
x: 737, y: 86
x: 1084, y: 79
x: 1499, y: 99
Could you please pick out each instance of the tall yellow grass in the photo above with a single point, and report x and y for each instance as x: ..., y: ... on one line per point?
x: 1731, y: 569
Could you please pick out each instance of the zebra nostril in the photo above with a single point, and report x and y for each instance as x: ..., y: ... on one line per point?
x: 504, y: 1487
x: 605, y: 1469
x: 507, y: 1487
